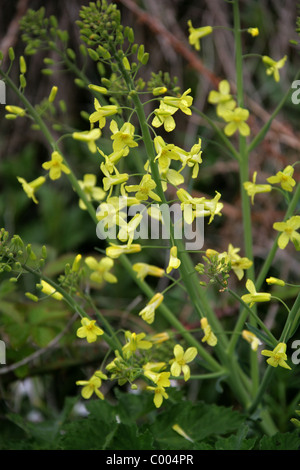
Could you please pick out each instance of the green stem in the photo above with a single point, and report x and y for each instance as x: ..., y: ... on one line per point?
x: 70, y: 301
x: 244, y: 172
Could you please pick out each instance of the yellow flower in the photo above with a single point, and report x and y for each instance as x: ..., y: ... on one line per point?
x: 238, y: 263
x: 252, y: 188
x: 111, y: 180
x: 236, y: 121
x: 289, y: 233
x: 88, y: 136
x: 174, y: 262
x: 195, y: 34
x: 144, y: 190
x: 31, y: 187
x: 89, y: 330
x: 275, y: 280
x: 101, y: 270
x: 222, y: 98
x: 273, y: 66
x: 164, y: 116
x: 92, y: 385
x: 182, y: 358
x: 148, y: 312
x: 49, y: 290
x: 160, y: 337
x: 253, y: 31
x: 127, y: 230
x: 161, y: 381
x: 209, y: 336
x: 123, y: 139
x: 277, y: 357
x: 284, y: 178
x: 93, y: 193
x: 144, y: 269
x: 254, y: 296
x: 114, y: 251
x: 56, y: 166
x: 211, y: 207
x: 192, y: 158
x: 183, y: 102
x: 133, y: 342
x: 101, y: 113
x: 252, y: 339
x: 112, y: 159
x: 109, y: 213
x: 154, y: 366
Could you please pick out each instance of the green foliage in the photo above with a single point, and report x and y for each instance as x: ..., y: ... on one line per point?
x: 130, y: 424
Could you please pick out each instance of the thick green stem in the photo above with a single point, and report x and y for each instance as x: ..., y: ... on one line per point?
x: 244, y: 172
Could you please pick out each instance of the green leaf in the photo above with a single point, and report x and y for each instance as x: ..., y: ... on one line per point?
x: 198, y: 421
x: 281, y: 441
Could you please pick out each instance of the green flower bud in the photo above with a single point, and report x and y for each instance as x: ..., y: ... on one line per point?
x: 23, y: 67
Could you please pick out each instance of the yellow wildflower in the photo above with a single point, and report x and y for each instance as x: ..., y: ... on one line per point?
x: 144, y: 269
x: 49, y: 290
x: 289, y: 233
x: 160, y: 337
x: 114, y: 251
x: 101, y: 270
x: 183, y: 102
x: 254, y: 296
x: 273, y: 67
x: 284, y: 178
x: 127, y: 230
x: 174, y: 262
x: 277, y: 357
x: 92, y: 192
x: 144, y: 190
x: 238, y: 263
x: 252, y: 188
x: 195, y: 34
x: 101, y: 113
x: 236, y: 121
x: 133, y: 342
x: 222, y: 98
x: 89, y: 137
x: 56, y: 166
x: 209, y: 336
x: 89, y: 330
x: 182, y: 358
x: 161, y: 381
x: 92, y: 385
x: 252, y: 339
x: 111, y: 180
x: 109, y: 212
x: 31, y: 187
x: 148, y: 312
x: 164, y: 116
x: 123, y: 139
